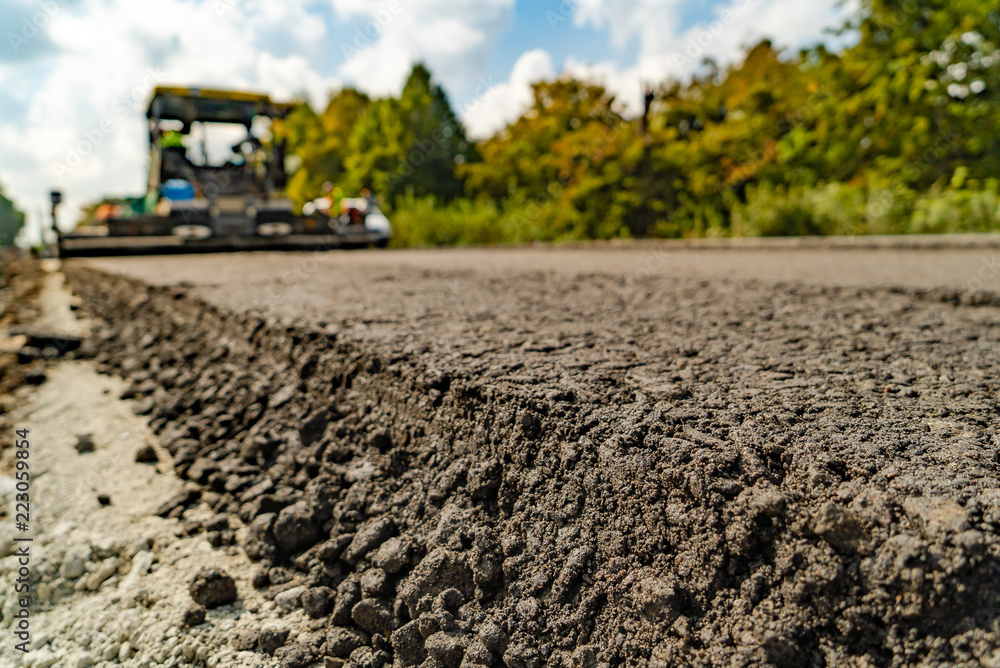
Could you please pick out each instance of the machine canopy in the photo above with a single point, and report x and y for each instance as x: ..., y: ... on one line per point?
x: 190, y: 105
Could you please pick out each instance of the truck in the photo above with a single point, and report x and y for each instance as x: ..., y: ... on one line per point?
x: 206, y: 194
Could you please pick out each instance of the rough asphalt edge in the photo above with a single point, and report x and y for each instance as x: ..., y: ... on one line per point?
x: 469, y: 435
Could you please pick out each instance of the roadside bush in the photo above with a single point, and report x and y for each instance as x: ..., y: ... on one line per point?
x: 843, y: 209
x: 777, y: 211
x: 957, y: 210
x: 769, y: 211
x: 423, y: 221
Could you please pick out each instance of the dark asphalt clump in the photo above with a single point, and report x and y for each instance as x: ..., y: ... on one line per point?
x: 212, y: 587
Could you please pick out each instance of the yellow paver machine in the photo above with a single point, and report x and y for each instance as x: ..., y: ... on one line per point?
x: 217, y: 174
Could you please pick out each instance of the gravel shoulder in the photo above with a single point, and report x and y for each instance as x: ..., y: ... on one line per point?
x: 109, y: 576
x: 110, y: 581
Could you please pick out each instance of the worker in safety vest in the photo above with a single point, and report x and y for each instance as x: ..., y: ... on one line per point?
x: 172, y: 139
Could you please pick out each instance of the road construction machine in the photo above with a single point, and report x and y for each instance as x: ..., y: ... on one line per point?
x: 206, y: 192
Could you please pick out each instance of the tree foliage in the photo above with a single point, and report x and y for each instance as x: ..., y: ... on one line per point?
x: 11, y: 221
x: 393, y: 145
x: 872, y: 138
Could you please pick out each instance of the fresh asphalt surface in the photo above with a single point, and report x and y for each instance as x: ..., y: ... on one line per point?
x: 715, y: 456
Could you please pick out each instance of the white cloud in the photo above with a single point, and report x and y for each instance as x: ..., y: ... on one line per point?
x: 83, y: 128
x: 653, y: 22
x: 453, y: 37
x: 505, y: 102
x: 796, y: 25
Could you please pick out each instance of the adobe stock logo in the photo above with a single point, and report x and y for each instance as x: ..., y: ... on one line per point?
x: 93, y: 137
x: 365, y: 36
x: 988, y: 268
x: 33, y: 25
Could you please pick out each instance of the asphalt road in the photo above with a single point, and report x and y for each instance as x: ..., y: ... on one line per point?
x: 960, y: 268
x: 708, y: 457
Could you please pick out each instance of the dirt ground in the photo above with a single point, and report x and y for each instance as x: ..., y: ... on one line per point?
x: 638, y: 457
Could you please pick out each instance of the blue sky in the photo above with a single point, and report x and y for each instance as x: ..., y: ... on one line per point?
x: 543, y: 25
x: 75, y: 74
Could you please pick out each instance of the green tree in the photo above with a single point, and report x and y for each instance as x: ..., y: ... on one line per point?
x: 411, y: 144
x: 11, y: 221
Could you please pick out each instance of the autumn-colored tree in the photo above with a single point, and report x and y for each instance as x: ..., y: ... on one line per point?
x: 320, y: 141
x: 917, y: 97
